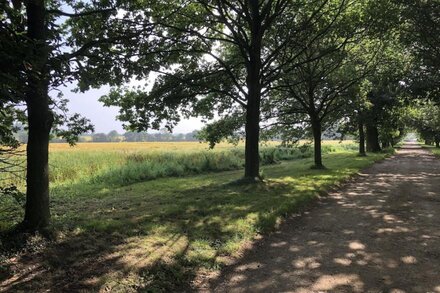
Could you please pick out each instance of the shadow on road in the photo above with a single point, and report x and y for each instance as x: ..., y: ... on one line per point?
x: 380, y: 233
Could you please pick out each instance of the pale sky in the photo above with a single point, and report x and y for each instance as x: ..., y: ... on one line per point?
x: 104, y: 118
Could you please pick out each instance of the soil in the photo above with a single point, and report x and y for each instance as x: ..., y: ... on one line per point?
x: 378, y: 233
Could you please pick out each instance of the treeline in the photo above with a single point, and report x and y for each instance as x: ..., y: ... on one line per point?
x: 114, y: 136
x: 163, y: 136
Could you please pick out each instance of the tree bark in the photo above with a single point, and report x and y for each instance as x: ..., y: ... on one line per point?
x: 373, y: 139
x: 40, y: 118
x: 252, y: 155
x: 361, y: 140
x: 317, y: 133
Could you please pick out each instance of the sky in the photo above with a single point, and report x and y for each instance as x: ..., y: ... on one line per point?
x: 104, y: 118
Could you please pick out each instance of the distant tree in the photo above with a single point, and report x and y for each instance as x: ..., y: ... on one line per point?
x: 114, y: 136
x: 191, y: 136
x: 425, y: 118
x: 131, y: 136
x: 100, y: 137
x: 384, y: 97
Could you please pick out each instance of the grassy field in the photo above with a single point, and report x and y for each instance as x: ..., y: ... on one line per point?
x: 126, y: 163
x: 159, y: 234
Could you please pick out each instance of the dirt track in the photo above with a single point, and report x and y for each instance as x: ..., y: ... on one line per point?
x: 380, y: 233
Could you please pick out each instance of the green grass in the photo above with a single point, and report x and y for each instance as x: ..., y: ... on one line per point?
x: 159, y: 234
x: 433, y: 149
x: 124, y: 166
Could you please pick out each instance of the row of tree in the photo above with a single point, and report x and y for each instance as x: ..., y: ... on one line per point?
x: 262, y: 68
x: 113, y: 136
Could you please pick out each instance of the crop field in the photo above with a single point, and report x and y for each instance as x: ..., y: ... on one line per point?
x: 158, y: 214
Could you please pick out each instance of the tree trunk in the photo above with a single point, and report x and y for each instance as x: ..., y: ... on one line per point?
x: 437, y: 143
x: 385, y: 144
x: 252, y: 155
x: 373, y: 139
x: 317, y: 133
x: 37, y: 214
x: 361, y: 140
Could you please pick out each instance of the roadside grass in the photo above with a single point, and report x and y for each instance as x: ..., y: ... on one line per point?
x: 433, y: 149
x: 157, y: 235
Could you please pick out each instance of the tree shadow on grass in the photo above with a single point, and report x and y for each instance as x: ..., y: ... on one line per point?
x: 155, y: 235
x: 130, y: 248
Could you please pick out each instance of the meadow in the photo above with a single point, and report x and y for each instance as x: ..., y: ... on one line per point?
x: 121, y: 231
x: 126, y: 163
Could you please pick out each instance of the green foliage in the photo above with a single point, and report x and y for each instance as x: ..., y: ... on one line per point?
x: 11, y: 206
x: 420, y: 33
x: 322, y: 89
x: 217, y: 131
x: 425, y: 118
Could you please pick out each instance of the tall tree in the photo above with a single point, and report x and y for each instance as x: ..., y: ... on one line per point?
x: 218, y: 56
x: 318, y: 88
x: 384, y: 95
x: 42, y: 51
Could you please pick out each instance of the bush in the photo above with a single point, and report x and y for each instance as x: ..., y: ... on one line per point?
x: 12, y: 203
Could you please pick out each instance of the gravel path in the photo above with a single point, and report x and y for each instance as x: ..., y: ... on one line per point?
x: 380, y: 233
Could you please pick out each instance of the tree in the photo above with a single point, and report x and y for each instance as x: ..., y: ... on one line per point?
x: 43, y: 48
x: 9, y: 145
x: 385, y: 96
x: 425, y: 118
x: 114, y: 136
x: 317, y: 90
x: 100, y: 137
x: 355, y: 114
x: 420, y: 34
x: 217, y: 55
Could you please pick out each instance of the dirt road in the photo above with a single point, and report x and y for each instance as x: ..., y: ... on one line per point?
x: 380, y: 233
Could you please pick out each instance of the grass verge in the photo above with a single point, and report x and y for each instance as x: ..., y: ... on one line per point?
x: 432, y: 149
x: 155, y: 236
